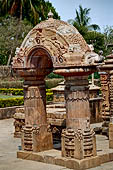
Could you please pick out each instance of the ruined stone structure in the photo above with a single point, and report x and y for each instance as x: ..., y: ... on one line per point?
x: 58, y: 46
x: 19, y: 121
x: 104, y: 79
x: 95, y: 101
x: 108, y: 84
x: 58, y: 92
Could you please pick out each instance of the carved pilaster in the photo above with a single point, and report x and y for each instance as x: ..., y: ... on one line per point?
x: 111, y: 94
x: 111, y: 112
x: 104, y: 78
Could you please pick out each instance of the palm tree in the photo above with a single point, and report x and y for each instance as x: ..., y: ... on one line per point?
x: 32, y: 10
x: 16, y: 8
x: 82, y: 21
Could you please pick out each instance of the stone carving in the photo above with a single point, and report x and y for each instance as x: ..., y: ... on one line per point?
x: 104, y: 78
x: 19, y: 121
x: 18, y: 60
x: 34, y: 94
x: 77, y: 97
x: 92, y: 57
x: 27, y: 138
x: 62, y: 41
x: 17, y: 51
x: 29, y: 42
x: 78, y: 144
x: 67, y: 29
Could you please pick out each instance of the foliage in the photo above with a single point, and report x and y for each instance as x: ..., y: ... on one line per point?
x: 108, y: 35
x: 87, y: 30
x: 32, y: 10
x: 18, y: 101
x: 96, y: 76
x: 10, y: 38
x: 11, y: 84
x: 82, y: 21
x: 49, y: 96
x: 50, y: 83
x: 95, y: 38
x: 11, y: 91
x: 8, y: 102
x: 52, y: 75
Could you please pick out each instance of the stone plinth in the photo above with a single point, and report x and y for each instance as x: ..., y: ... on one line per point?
x: 104, y: 154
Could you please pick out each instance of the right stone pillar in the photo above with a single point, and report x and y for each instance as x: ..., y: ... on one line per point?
x: 111, y: 112
x: 78, y: 139
x: 107, y: 67
x: 105, y: 84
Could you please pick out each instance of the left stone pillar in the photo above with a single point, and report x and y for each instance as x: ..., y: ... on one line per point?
x: 36, y: 135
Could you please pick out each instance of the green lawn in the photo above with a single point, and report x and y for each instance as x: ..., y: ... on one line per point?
x: 7, y: 96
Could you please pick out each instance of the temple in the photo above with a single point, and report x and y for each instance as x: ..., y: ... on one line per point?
x: 56, y: 46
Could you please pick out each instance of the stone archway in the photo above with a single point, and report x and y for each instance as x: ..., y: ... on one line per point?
x: 56, y: 45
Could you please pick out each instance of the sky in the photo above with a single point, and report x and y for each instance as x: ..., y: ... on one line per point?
x: 101, y: 10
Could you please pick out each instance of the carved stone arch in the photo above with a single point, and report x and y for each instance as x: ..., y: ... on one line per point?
x: 41, y: 54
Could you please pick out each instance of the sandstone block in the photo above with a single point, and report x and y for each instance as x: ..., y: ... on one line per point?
x: 111, y: 144
x: 60, y: 161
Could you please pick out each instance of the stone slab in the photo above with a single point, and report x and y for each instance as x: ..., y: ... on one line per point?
x: 56, y: 159
x: 104, y: 154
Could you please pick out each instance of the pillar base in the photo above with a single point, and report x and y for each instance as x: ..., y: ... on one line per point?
x: 111, y: 135
x: 53, y: 157
x: 78, y: 144
x: 36, y: 139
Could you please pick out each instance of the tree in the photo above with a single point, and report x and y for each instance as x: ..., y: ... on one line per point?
x: 97, y: 39
x: 8, y: 36
x: 108, y: 38
x: 32, y: 10
x: 82, y: 21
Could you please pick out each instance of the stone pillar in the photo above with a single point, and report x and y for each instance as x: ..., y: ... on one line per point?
x: 111, y: 112
x: 78, y: 140
x: 104, y: 78
x: 36, y: 135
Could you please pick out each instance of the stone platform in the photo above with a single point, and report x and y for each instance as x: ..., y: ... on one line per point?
x: 104, y: 154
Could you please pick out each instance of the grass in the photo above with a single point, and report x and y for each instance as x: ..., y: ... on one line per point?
x: 7, y: 96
